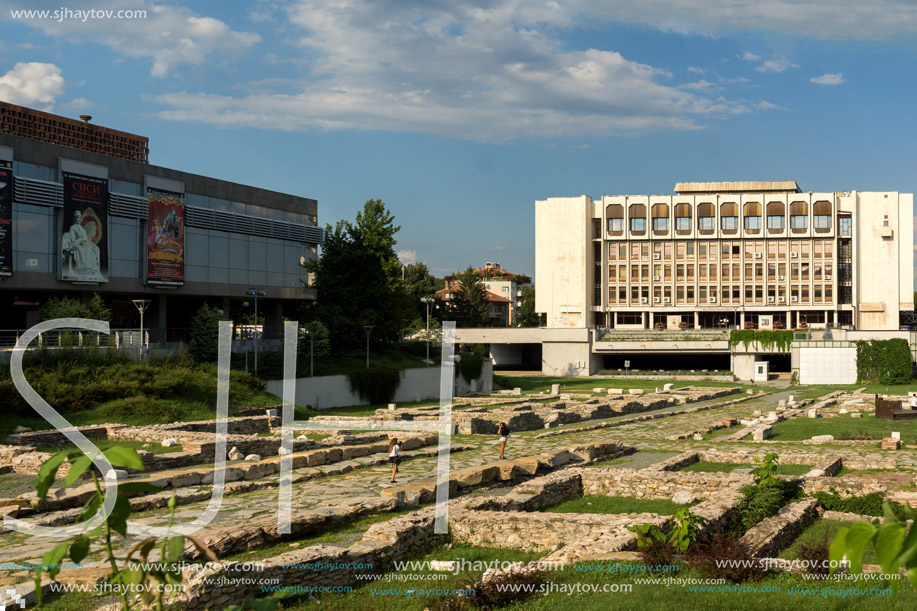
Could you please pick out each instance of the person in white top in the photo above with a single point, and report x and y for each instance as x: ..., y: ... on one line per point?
x: 913, y: 401
x: 394, y: 449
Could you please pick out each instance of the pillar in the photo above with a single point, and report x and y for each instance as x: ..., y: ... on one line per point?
x: 696, y: 320
x: 273, y: 317
x: 789, y: 319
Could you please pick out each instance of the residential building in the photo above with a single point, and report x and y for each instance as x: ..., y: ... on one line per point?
x: 500, y: 308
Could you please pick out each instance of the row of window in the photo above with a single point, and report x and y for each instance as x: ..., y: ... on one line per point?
x: 734, y: 294
x: 719, y: 249
x: 753, y: 271
x: 752, y: 218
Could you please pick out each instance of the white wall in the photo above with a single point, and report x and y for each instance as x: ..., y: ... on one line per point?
x: 325, y: 392
x: 828, y: 365
x: 562, y: 252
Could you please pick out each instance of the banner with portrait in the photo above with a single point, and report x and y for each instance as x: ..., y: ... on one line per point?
x: 165, y: 253
x: 6, y: 218
x: 84, y: 243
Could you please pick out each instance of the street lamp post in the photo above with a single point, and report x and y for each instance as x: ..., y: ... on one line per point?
x: 256, y: 293
x: 311, y: 351
x: 368, y: 329
x: 142, y: 305
x: 428, y: 301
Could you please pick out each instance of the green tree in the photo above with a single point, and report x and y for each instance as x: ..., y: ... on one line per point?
x: 470, y: 300
x: 205, y: 325
x: 97, y: 308
x: 62, y: 307
x: 358, y: 280
x: 313, y: 339
x: 418, y: 283
x: 526, y: 316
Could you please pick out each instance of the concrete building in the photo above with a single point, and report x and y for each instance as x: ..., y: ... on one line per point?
x: 746, y: 254
x: 658, y: 282
x: 83, y: 212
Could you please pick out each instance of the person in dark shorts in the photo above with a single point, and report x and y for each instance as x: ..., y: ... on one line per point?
x: 503, y: 432
x: 394, y: 451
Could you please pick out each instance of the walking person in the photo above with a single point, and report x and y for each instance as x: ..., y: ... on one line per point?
x: 913, y: 403
x: 394, y: 451
x: 503, y: 432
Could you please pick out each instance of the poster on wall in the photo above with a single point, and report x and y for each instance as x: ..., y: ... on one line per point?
x: 6, y: 218
x: 84, y: 243
x: 165, y: 255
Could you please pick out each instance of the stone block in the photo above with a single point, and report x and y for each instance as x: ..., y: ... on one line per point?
x: 555, y: 389
x: 529, y: 465
x: 235, y: 454
x: 781, y: 403
x: 668, y: 387
x: 763, y: 432
x: 683, y: 498
x: 517, y: 391
x: 635, y: 391
x: 475, y: 476
x: 891, y: 444
x: 823, y: 438
x: 856, y: 415
x: 698, y: 437
x: 896, y: 435
x: 842, y: 411
x: 253, y: 458
x: 232, y: 474
x: 333, y: 455
x: 791, y: 400
x: 168, y: 443
x: 756, y: 413
x: 812, y: 413
x: 316, y: 458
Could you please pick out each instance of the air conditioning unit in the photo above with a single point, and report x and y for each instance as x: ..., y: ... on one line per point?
x: 656, y: 300
x: 644, y: 300
x: 657, y: 256
x: 666, y: 300
x: 781, y: 299
x: 794, y: 255
x: 827, y: 276
x: 711, y: 299
x: 770, y: 299
x: 794, y: 299
x: 781, y: 278
x: 657, y: 278
x: 758, y: 255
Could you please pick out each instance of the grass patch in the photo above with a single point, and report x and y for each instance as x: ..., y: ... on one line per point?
x: 640, y: 457
x: 704, y: 466
x: 536, y: 384
x: 814, y: 534
x: 617, y: 504
x: 843, y: 427
x: 104, y: 444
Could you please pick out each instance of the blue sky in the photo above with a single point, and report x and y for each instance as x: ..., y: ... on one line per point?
x: 460, y: 115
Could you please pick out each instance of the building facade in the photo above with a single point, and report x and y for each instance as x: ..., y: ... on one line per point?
x: 746, y: 254
x: 85, y: 213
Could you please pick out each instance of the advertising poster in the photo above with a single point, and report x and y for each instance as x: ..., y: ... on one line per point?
x: 165, y: 259
x: 6, y: 218
x: 84, y: 243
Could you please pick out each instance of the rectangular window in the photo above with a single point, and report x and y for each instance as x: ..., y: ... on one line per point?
x: 615, y: 224
x: 829, y: 293
x: 668, y: 272
x: 638, y: 224
x: 805, y: 272
x: 752, y: 222
x: 635, y: 250
x: 799, y: 222
x: 690, y: 293
x: 822, y: 222
x: 829, y: 249
x: 771, y: 249
x: 702, y: 250
x: 845, y: 226
x: 817, y: 293
x: 706, y: 223
x: 613, y: 273
x: 713, y: 272
x: 660, y: 224
x: 725, y: 271
x: 729, y: 223
x: 690, y: 249
x: 702, y: 293
x: 668, y: 250
x: 683, y: 223
x: 805, y: 293
x: 702, y: 272
x: 775, y: 223
x: 680, y: 250
x: 725, y: 250
x: 691, y: 273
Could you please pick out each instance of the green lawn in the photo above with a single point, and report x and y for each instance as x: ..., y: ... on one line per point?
x: 844, y: 427
x: 814, y: 534
x: 104, y: 444
x: 555, y: 593
x: 616, y: 504
x: 704, y: 466
x: 639, y: 458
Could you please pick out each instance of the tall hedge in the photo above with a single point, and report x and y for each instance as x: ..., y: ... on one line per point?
x: 884, y: 361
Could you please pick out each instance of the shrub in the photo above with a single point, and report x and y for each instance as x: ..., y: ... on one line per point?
x: 760, y: 502
x: 722, y: 555
x: 815, y: 555
x: 470, y: 366
x: 866, y: 505
x: 765, y: 472
x: 653, y: 546
x: 883, y: 362
x: 377, y: 385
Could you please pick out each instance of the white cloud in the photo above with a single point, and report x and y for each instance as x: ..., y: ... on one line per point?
x: 777, y: 65
x: 80, y: 104
x: 750, y: 57
x: 478, y: 70
x: 827, y: 19
x: 407, y: 257
x: 828, y: 79
x: 169, y: 35
x: 32, y: 84
x: 496, y: 248
x: 765, y: 105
